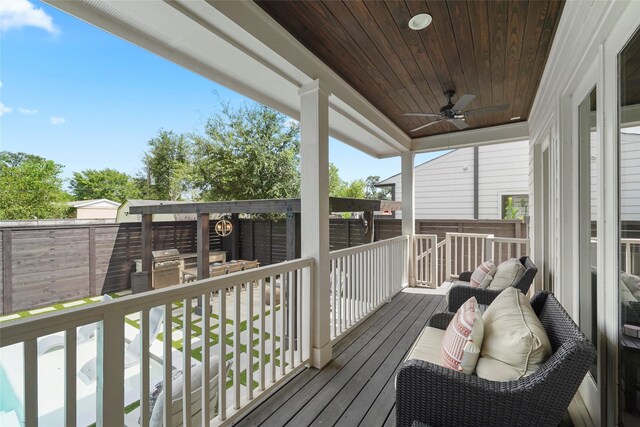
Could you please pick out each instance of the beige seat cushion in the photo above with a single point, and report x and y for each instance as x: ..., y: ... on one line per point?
x: 513, y: 335
x: 428, y: 346
x: 496, y: 370
x: 507, y: 273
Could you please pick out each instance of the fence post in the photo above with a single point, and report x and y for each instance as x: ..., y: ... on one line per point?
x: 488, y: 241
x: 447, y: 244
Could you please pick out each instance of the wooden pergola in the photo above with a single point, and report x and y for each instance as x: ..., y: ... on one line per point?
x: 290, y: 207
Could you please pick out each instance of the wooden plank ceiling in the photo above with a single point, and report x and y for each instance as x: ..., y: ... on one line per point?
x: 495, y: 50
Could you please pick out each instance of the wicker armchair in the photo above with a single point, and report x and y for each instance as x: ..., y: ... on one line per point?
x: 441, y: 397
x: 462, y: 291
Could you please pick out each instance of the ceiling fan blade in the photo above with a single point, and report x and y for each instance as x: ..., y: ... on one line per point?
x: 424, y: 126
x: 463, y: 101
x: 460, y: 124
x: 423, y: 114
x: 502, y: 107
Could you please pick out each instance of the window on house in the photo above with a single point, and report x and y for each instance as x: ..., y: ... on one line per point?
x: 515, y: 206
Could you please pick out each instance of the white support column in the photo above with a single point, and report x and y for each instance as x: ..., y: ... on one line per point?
x: 408, y: 209
x: 314, y: 154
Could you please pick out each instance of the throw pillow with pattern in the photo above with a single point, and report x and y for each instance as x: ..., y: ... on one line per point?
x: 482, y: 276
x: 462, y: 340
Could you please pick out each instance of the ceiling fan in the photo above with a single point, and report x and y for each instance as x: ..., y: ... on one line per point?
x: 453, y: 113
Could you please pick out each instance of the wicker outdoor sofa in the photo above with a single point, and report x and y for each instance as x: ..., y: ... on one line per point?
x: 441, y: 397
x: 461, y: 291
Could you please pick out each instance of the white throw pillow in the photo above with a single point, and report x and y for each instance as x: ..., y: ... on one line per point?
x: 482, y: 276
x: 507, y: 273
x: 513, y: 335
x: 462, y: 340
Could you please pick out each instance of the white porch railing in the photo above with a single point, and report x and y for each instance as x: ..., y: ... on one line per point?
x: 629, y: 256
x: 267, y: 338
x: 363, y: 278
x: 464, y: 252
x: 425, y: 249
x: 436, y: 262
x: 503, y: 248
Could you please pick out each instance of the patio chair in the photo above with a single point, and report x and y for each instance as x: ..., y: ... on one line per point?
x: 89, y: 371
x: 438, y: 396
x: 83, y: 334
x: 157, y: 401
x: 462, y: 291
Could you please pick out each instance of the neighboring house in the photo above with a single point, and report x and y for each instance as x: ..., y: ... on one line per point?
x: 94, y: 209
x: 124, y: 216
x: 449, y: 187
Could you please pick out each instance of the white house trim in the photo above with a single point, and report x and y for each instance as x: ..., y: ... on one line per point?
x: 472, y: 138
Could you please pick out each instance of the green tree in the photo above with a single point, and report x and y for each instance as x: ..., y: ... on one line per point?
x: 335, y: 183
x: 168, y: 166
x: 510, y: 211
x: 104, y: 184
x: 373, y: 192
x: 30, y: 187
x: 352, y: 189
x: 251, y: 152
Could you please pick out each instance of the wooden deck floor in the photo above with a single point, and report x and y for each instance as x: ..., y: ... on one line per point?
x: 357, y: 387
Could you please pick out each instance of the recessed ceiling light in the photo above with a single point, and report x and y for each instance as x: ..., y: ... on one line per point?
x: 515, y: 118
x: 420, y: 21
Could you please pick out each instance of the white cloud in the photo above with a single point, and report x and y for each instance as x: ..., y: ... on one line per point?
x: 15, y: 14
x: 28, y: 111
x: 57, y: 120
x: 4, y: 109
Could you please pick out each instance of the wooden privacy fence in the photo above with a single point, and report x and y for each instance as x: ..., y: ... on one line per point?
x: 44, y: 265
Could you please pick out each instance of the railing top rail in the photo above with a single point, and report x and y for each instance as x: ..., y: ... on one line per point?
x: 456, y: 234
x: 629, y: 240
x: 510, y: 240
x: 19, y: 330
x: 363, y: 248
x: 426, y: 236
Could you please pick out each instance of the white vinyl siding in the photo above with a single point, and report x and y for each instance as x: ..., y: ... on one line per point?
x: 444, y: 185
x: 503, y: 170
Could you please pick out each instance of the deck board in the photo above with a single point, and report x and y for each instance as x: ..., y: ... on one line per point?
x: 357, y: 385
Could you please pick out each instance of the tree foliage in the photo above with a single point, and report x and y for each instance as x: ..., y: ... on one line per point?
x: 251, y: 152
x: 169, y: 167
x: 104, y: 184
x: 30, y: 187
x: 340, y: 188
x: 373, y: 192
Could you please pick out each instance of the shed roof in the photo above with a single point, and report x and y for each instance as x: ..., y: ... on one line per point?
x: 87, y: 203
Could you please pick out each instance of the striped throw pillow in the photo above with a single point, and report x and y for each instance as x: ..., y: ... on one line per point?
x: 462, y: 340
x: 482, y: 276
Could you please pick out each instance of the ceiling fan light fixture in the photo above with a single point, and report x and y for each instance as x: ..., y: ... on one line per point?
x: 420, y: 21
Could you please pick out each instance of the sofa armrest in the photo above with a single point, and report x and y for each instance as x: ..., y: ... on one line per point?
x: 438, y: 396
x: 459, y: 294
x: 465, y: 276
x: 441, y: 320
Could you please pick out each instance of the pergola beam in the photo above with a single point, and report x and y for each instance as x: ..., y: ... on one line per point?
x: 336, y: 204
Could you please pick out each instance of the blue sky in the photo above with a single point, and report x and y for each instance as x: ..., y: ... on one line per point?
x: 86, y: 99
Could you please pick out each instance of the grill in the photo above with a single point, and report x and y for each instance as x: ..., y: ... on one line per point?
x: 165, y: 268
